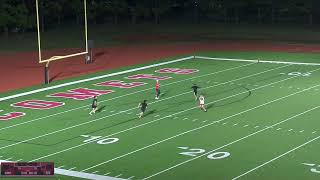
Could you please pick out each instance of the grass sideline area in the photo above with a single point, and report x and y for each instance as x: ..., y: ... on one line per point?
x: 261, y: 123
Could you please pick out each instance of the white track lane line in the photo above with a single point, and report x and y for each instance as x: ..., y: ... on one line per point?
x: 94, y: 78
x: 64, y: 129
x: 166, y: 117
x: 136, y: 92
x: 231, y: 143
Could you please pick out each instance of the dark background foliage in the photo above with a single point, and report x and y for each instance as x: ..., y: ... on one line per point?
x: 19, y: 15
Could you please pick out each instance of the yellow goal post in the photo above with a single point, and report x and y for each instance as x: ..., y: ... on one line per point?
x: 58, y: 57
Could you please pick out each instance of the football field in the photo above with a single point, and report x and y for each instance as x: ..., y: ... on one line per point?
x: 262, y: 120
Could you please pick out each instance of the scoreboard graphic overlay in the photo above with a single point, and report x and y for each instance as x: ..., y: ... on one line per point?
x: 27, y: 169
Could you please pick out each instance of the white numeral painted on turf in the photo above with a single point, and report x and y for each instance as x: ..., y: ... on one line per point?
x: 196, y: 151
x: 314, y: 170
x: 299, y: 74
x: 193, y: 152
x: 100, y: 141
x: 218, y: 155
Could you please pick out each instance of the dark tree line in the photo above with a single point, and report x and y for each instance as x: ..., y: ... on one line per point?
x: 19, y: 15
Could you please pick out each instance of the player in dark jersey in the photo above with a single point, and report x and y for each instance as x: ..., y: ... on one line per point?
x: 143, y: 107
x: 195, y: 91
x: 157, y: 86
x: 94, y: 105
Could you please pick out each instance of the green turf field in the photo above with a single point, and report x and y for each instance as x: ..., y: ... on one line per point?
x: 262, y: 123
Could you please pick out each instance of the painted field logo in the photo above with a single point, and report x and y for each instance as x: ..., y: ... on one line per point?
x: 37, y: 104
x: 120, y: 84
x: 177, y: 71
x: 148, y: 76
x: 81, y: 93
x: 11, y: 115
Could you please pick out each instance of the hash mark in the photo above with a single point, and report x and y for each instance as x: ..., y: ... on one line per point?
x: 314, y: 132
x: 107, y: 173
x: 290, y: 130
x: 95, y: 172
x: 183, y: 148
x: 204, y: 121
x: 131, y: 177
x: 278, y: 129
x: 301, y: 131
x: 118, y: 175
x: 235, y: 124
x: 72, y: 168
x: 256, y: 127
x: 246, y: 125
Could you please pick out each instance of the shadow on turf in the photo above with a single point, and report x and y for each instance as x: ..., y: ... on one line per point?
x: 231, y: 102
x: 101, y: 108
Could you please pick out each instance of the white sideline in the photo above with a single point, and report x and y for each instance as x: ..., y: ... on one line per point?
x: 54, y: 132
x: 257, y: 61
x: 93, y: 78
x: 134, y: 127
x: 78, y: 174
x: 198, y: 128
x: 233, y: 142
x: 136, y: 92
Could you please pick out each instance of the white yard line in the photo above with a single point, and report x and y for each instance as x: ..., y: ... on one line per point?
x: 290, y: 151
x: 64, y: 129
x: 136, y: 92
x: 192, y: 130
x: 233, y: 142
x: 93, y: 78
x: 83, y: 175
x: 68, y: 149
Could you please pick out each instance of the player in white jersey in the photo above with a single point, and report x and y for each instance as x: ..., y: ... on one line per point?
x: 201, y: 103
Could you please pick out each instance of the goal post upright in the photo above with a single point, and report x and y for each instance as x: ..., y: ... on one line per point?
x: 85, y: 23
x: 38, y: 31
x: 60, y: 57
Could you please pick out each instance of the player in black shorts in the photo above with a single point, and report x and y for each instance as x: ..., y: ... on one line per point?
x: 195, y: 91
x: 143, y: 107
x: 94, y: 105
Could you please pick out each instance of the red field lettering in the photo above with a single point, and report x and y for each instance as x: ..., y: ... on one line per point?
x: 121, y: 84
x: 81, y: 93
x: 177, y: 71
x: 148, y: 76
x: 38, y: 104
x: 11, y: 115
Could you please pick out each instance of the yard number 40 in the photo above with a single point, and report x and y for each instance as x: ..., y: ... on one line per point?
x: 196, y: 151
x: 99, y: 140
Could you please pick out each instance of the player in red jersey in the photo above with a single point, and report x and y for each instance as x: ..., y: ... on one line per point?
x: 157, y: 86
